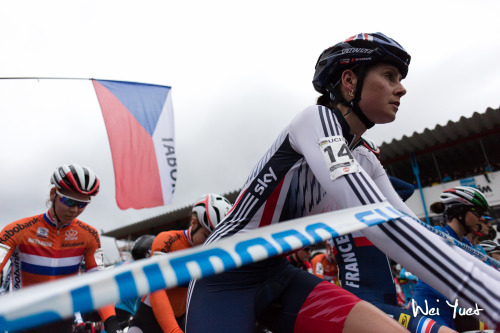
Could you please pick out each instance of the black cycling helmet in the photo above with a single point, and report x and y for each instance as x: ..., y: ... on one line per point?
x: 142, y: 247
x: 359, y: 50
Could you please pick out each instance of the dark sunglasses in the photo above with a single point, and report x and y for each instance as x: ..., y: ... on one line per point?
x: 478, y: 212
x: 68, y: 202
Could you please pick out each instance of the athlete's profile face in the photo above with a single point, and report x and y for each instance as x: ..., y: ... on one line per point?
x: 485, y: 226
x: 201, y: 234
x: 303, y: 254
x: 382, y: 92
x: 475, y: 222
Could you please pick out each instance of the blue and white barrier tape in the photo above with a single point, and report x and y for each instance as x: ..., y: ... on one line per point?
x: 450, y: 240
x: 41, y: 304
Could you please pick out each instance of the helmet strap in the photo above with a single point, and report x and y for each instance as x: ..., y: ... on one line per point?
x: 461, y: 220
x: 354, y: 103
x: 54, y: 206
x: 196, y: 229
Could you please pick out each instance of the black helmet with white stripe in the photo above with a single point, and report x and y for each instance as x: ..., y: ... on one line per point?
x: 76, y: 178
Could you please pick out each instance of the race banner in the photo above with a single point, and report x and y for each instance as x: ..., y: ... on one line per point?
x: 139, y: 121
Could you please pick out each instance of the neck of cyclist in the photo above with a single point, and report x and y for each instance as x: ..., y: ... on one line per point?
x: 458, y: 227
x: 355, y: 124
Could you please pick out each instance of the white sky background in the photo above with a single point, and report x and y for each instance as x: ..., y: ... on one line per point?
x: 239, y: 72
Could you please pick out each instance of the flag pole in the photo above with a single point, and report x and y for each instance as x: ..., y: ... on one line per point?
x: 43, y: 78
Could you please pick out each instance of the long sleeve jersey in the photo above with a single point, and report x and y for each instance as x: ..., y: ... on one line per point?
x: 44, y: 252
x: 310, y: 169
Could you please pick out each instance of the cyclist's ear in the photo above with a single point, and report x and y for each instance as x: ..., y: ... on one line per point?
x: 194, y: 223
x: 52, y: 193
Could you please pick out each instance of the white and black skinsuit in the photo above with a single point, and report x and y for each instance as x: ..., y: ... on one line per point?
x: 293, y: 180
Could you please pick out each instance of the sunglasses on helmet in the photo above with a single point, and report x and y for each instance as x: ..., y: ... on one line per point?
x: 70, y: 202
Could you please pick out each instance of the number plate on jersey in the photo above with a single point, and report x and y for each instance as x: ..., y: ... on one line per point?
x: 338, y: 157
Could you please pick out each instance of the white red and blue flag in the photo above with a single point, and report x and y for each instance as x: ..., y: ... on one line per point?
x: 140, y: 125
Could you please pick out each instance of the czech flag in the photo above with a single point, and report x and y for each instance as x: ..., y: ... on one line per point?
x: 140, y: 124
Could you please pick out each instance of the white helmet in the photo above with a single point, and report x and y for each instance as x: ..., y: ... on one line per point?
x: 370, y: 144
x: 211, y: 209
x: 464, y: 195
x: 490, y: 246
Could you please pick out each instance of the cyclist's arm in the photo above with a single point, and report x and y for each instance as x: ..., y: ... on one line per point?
x: 94, y: 261
x: 8, y: 243
x: 371, y: 164
x: 163, y: 312
x: 405, y: 241
x: 160, y: 303
x: 317, y: 266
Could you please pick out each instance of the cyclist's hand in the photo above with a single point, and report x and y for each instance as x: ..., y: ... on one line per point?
x: 111, y: 325
x: 80, y: 328
x: 84, y: 328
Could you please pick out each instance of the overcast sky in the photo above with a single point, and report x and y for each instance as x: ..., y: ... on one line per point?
x: 239, y: 72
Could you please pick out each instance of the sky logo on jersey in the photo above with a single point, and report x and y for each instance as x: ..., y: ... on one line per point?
x: 267, y: 178
x: 140, y: 125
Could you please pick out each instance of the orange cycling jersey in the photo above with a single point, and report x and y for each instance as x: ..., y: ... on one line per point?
x: 175, y: 298
x: 46, y: 252
x: 324, y: 269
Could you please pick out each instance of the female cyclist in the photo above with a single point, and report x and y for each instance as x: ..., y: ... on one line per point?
x: 463, y: 209
x: 492, y: 248
x: 52, y: 245
x: 163, y: 311
x: 309, y: 170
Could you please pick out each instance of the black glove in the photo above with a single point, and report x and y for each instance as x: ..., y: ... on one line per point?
x: 111, y: 325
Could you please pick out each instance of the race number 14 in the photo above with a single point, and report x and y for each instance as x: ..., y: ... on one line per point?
x: 338, y: 157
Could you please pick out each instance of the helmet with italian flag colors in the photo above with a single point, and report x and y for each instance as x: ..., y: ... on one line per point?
x: 465, y: 195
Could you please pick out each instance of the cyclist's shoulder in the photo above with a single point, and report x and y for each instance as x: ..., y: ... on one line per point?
x: 168, y: 241
x: 315, y: 115
x: 169, y: 234
x: 317, y: 257
x: 79, y: 230
x: 83, y: 226
x: 22, y: 225
x: 440, y: 228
